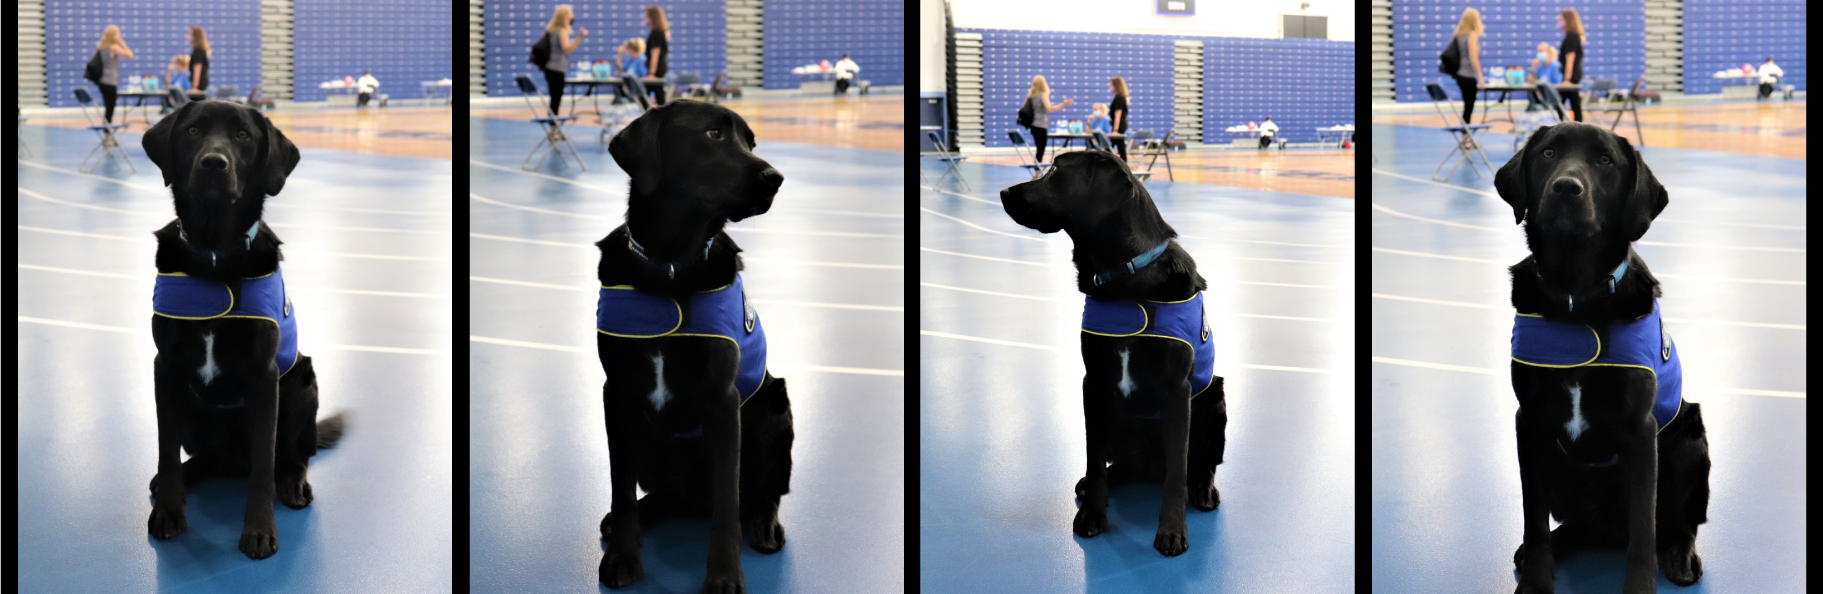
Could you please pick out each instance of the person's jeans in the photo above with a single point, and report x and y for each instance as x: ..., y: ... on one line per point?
x: 1469, y: 91
x: 1039, y: 136
x: 554, y: 80
x: 108, y: 93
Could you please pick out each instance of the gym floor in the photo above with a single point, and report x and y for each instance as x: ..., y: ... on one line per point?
x: 1000, y: 405
x: 367, y: 245
x: 825, y: 268
x: 1729, y: 250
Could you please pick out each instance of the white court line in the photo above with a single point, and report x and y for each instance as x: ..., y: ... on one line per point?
x: 1266, y: 284
x: 1655, y: 274
x: 1668, y: 319
x: 981, y: 228
x: 480, y: 198
x: 963, y: 196
x: 277, y: 225
x: 962, y: 255
x: 1282, y: 368
x: 268, y: 204
x: 1051, y: 348
x: 1661, y: 219
x: 1182, y: 236
x: 769, y: 365
x: 848, y: 213
x: 303, y: 346
x: 1654, y: 243
x: 590, y: 246
x: 298, y: 289
x: 1755, y: 225
x: 484, y: 279
x: 1486, y: 371
x: 1224, y: 313
x: 149, y: 239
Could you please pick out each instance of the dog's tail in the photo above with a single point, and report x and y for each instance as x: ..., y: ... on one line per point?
x: 329, y: 431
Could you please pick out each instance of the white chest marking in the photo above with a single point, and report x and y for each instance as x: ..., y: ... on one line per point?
x: 208, y: 371
x: 1126, y: 380
x: 659, y: 394
x: 1576, y: 425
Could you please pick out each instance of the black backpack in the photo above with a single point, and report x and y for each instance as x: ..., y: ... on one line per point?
x: 92, y: 72
x: 1025, y: 113
x: 1452, y: 58
x: 541, y: 51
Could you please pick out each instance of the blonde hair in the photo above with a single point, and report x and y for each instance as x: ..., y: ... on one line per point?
x: 181, y: 60
x: 636, y: 44
x: 560, y: 19
x: 657, y: 16
x: 110, y: 37
x: 1039, y: 87
x: 1571, y: 22
x: 1550, y: 51
x: 1101, y: 107
x: 200, y: 39
x: 1470, y: 23
x: 1120, y: 86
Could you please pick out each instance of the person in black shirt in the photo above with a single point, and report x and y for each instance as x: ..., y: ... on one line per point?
x: 658, y: 50
x: 1117, y: 109
x: 199, y: 63
x: 1572, y: 53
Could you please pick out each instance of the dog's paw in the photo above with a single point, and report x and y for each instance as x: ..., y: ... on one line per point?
x: 259, y: 542
x: 1205, y: 500
x: 619, y: 571
x: 766, y: 535
x: 166, y: 524
x: 1682, y: 567
x: 724, y: 584
x: 1171, y: 541
x: 1088, y: 524
x: 294, y: 491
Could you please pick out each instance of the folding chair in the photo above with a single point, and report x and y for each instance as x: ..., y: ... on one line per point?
x: 1628, y: 104
x: 23, y: 149
x: 257, y: 102
x: 1550, y: 112
x: 1144, y: 145
x: 1025, y: 159
x: 1098, y: 141
x: 109, y: 144
x: 1465, y: 135
x: 630, y: 101
x: 948, y: 158
x: 552, y: 125
x: 686, y: 84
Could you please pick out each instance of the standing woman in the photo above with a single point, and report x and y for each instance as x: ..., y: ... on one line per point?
x: 1117, y: 109
x: 1573, y: 38
x: 111, y: 48
x: 1040, y: 98
x: 1468, y: 74
x: 199, y: 63
x: 561, y: 46
x: 658, y: 50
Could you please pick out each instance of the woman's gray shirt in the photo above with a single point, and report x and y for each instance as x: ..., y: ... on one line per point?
x: 560, y: 60
x: 1466, y: 68
x: 110, y: 68
x: 1040, y: 117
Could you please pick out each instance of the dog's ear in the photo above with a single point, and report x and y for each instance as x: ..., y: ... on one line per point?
x: 1510, y: 181
x: 157, y: 142
x: 281, y: 156
x: 1647, y: 199
x: 635, y: 149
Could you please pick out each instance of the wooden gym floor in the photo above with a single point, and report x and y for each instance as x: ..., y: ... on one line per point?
x: 1768, y: 129
x: 876, y: 122
x: 397, y: 131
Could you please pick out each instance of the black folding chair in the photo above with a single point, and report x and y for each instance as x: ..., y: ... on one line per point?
x: 109, y: 144
x: 553, y: 126
x: 1144, y: 145
x: 1465, y: 134
x: 948, y: 158
x: 1098, y: 141
x: 1629, y: 104
x: 1025, y: 159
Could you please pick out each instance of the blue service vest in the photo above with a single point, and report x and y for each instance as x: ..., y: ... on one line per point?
x: 1641, y: 343
x: 722, y: 313
x: 180, y: 296
x: 1182, y: 321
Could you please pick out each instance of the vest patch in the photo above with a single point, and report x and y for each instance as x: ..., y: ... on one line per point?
x: 723, y: 313
x: 1184, y: 321
x: 183, y: 297
x: 1641, y: 343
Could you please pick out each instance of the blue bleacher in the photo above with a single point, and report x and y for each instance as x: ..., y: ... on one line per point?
x: 1616, y: 31
x: 699, y: 35
x: 801, y: 32
x: 156, y: 31
x: 404, y: 42
x: 1724, y: 34
x: 1301, y: 83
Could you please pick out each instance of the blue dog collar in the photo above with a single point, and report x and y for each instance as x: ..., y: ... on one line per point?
x: 213, y: 254
x: 639, y: 251
x: 1131, y: 267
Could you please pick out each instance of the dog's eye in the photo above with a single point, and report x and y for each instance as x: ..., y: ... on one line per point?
x: 715, y: 134
x: 1605, y: 160
x: 1548, y: 153
x: 242, y: 135
x: 194, y: 131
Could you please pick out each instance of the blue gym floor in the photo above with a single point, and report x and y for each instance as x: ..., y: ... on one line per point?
x: 367, y: 246
x: 1729, y: 250
x: 825, y: 268
x: 1000, y: 399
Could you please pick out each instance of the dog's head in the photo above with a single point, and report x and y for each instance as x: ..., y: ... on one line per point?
x: 695, y: 156
x: 1583, y: 194
x: 1079, y: 190
x: 221, y: 160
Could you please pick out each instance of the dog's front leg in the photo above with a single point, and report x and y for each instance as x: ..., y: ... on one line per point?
x: 168, y: 493
x: 1538, y: 573
x: 620, y: 566
x: 1173, y: 538
x: 1092, y: 518
x: 259, y: 534
x: 1639, y: 455
x: 724, y: 432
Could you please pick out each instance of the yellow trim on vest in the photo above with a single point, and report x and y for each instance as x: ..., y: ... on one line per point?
x: 737, y: 350
x: 1591, y: 360
x: 674, y: 304
x: 1142, y: 327
x: 1193, y: 393
x: 1184, y: 301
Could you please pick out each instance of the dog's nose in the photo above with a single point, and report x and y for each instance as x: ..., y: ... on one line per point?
x: 772, y: 177
x: 1567, y: 186
x: 216, y: 161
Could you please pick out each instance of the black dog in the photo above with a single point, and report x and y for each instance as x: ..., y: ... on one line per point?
x: 1154, y: 407
x: 232, y: 388
x: 691, y: 410
x: 1606, y: 443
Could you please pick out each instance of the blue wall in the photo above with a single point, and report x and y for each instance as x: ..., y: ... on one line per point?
x: 156, y: 31
x: 1301, y: 83
x: 801, y: 32
x: 404, y: 42
x: 1421, y: 30
x: 699, y: 36
x: 1724, y: 34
